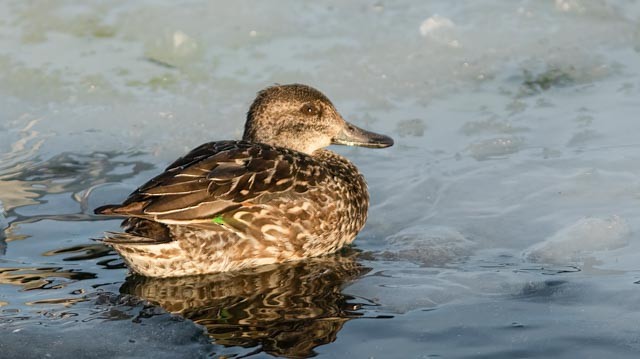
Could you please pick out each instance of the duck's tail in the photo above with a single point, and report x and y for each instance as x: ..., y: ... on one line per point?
x: 108, y: 210
x: 139, y: 231
x: 125, y: 209
x: 123, y: 238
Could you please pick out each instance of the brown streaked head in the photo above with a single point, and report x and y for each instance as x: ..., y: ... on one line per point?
x: 301, y: 118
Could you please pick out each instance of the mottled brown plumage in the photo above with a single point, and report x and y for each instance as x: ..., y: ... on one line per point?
x: 273, y: 197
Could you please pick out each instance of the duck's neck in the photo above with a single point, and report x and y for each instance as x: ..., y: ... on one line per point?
x: 343, y: 170
x: 332, y: 159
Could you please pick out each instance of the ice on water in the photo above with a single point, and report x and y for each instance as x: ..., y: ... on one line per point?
x: 516, y: 123
x: 580, y: 239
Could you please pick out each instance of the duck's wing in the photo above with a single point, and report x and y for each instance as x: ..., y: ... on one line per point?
x: 219, y: 177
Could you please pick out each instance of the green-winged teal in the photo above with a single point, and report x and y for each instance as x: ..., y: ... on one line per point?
x: 275, y: 196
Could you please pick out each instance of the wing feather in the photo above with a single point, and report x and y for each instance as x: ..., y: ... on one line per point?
x: 220, y: 177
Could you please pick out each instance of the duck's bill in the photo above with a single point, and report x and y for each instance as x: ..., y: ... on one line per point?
x: 355, y: 136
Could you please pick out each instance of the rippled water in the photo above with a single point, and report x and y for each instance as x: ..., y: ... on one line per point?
x: 503, y: 222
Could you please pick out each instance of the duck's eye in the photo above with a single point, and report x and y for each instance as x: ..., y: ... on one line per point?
x: 309, y: 109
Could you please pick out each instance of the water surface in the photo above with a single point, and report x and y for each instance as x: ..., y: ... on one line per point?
x: 503, y: 222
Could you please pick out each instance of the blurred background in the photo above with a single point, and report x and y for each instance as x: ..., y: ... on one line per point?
x: 504, y: 222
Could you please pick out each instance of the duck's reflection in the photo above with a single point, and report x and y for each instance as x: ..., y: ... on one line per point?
x: 286, y: 309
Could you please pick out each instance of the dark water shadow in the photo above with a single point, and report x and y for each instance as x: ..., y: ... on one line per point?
x: 284, y: 310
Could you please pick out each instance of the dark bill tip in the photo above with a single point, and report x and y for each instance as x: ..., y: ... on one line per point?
x: 354, y: 136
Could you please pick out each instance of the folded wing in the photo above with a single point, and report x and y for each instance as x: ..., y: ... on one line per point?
x: 219, y: 177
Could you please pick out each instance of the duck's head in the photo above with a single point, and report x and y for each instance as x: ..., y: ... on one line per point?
x: 301, y: 118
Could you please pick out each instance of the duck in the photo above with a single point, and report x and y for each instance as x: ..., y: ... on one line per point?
x: 277, y: 195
